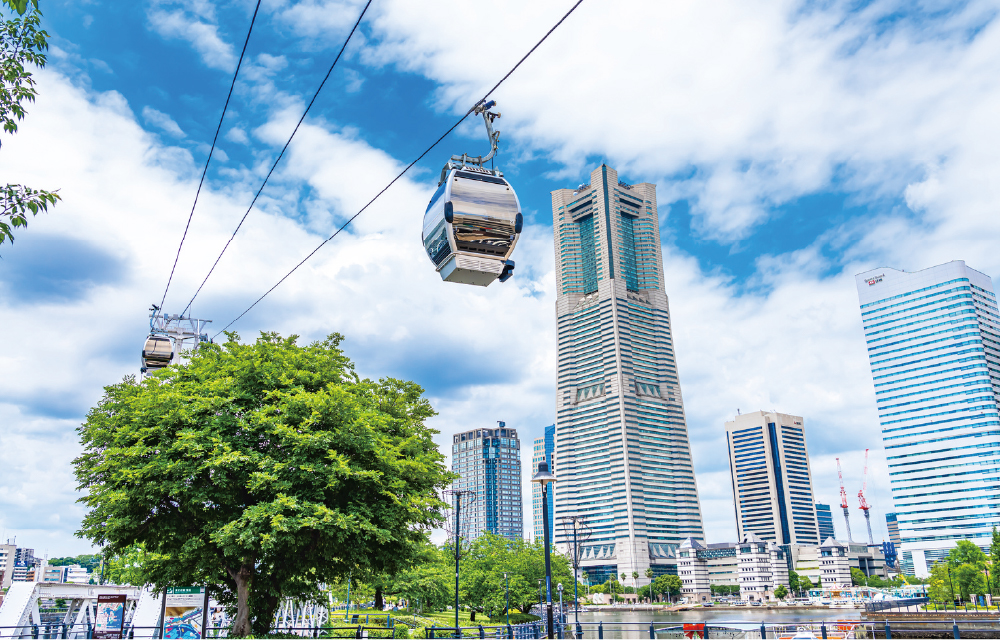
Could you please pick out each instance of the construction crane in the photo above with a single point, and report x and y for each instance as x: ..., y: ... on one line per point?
x: 864, y: 503
x: 843, y: 503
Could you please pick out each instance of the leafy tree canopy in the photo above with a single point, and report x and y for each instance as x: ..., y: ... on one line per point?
x: 261, y: 469
x: 91, y: 562
x: 780, y: 592
x: 22, y: 44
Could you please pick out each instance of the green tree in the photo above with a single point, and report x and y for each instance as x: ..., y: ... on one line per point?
x: 994, y: 563
x: 966, y: 552
x: 940, y: 585
x: 793, y: 582
x: 484, y: 562
x: 857, y: 576
x: 668, y: 585
x: 129, y: 566
x: 265, y: 468
x: 22, y: 44
x: 780, y: 592
x: 805, y: 584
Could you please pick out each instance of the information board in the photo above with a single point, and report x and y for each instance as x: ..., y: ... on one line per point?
x: 110, y: 615
x: 183, y: 612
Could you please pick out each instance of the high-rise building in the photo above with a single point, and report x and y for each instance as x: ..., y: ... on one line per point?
x: 8, y: 553
x: 933, y: 339
x: 893, y: 527
x: 824, y: 520
x: 772, y: 483
x: 489, y: 463
x: 542, y: 452
x: 622, y: 455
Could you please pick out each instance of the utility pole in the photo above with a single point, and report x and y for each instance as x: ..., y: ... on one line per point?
x: 458, y: 493
x: 843, y: 503
x: 864, y: 503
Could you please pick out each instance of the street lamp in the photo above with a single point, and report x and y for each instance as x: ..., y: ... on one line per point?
x: 506, y: 580
x: 950, y: 582
x: 544, y: 478
x: 562, y: 616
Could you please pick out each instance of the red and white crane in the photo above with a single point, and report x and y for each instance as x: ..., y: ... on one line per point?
x: 843, y: 503
x: 864, y: 503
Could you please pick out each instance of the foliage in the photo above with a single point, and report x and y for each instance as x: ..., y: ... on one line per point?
x: 90, y: 562
x: 724, y: 589
x: 793, y: 581
x: 857, y: 576
x: 484, y: 561
x: 22, y: 43
x: 994, y: 561
x: 515, y: 618
x: 805, y: 584
x: 966, y: 552
x: 431, y: 580
x: 265, y: 468
x: 780, y: 592
x: 666, y: 585
x: 20, y: 6
x: 129, y: 566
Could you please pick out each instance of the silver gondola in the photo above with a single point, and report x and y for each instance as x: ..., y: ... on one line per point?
x: 157, y: 352
x: 473, y: 220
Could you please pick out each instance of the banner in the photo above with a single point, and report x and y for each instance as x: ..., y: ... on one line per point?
x: 183, y: 612
x: 110, y: 616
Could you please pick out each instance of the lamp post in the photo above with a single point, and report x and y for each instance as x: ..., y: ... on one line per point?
x: 950, y: 582
x: 562, y: 616
x: 541, y: 607
x: 544, y: 478
x: 506, y: 580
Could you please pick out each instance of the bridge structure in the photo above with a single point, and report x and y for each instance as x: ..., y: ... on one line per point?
x: 59, y: 610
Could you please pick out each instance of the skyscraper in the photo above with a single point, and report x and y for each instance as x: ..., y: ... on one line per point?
x: 489, y: 463
x: 772, y: 482
x: 934, y: 348
x: 824, y: 519
x: 892, y: 526
x: 622, y: 455
x: 542, y: 452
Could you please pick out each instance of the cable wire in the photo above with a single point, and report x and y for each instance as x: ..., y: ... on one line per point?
x: 280, y: 155
x: 209, y: 159
x: 408, y: 167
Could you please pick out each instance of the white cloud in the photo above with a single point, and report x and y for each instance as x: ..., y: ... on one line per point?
x: 237, y: 135
x: 197, y: 29
x: 162, y: 121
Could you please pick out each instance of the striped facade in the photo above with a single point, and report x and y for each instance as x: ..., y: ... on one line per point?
x: 622, y: 454
x: 772, y: 481
x: 933, y: 339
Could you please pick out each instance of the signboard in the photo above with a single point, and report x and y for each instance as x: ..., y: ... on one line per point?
x: 110, y: 615
x: 694, y: 630
x: 183, y: 612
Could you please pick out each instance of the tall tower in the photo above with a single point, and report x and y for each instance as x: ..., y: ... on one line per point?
x: 542, y: 452
x: 933, y: 339
x: 772, y: 482
x: 488, y: 462
x: 622, y: 455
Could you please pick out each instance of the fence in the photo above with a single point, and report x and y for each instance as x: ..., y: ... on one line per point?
x: 899, y: 605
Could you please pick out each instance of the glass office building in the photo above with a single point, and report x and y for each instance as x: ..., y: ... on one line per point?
x: 824, y: 519
x: 542, y: 452
x: 772, y: 482
x: 621, y: 445
x: 489, y: 463
x: 934, y: 348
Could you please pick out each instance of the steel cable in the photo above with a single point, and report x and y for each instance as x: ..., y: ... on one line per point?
x: 408, y: 167
x: 210, y: 152
x: 280, y: 155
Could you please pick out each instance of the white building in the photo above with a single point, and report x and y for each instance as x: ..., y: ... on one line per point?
x: 772, y: 481
x: 75, y: 574
x: 489, y: 463
x: 622, y: 454
x: 757, y: 566
x: 7, y: 555
x: 834, y: 565
x: 933, y: 340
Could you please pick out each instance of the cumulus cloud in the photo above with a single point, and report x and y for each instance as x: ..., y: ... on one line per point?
x: 162, y: 121
x: 195, y: 24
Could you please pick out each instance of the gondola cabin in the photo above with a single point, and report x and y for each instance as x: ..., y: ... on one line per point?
x: 157, y: 353
x: 471, y: 226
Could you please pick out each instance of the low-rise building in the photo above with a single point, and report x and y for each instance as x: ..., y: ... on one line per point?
x: 758, y: 567
x: 76, y: 574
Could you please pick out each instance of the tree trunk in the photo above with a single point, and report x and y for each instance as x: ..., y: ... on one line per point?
x: 242, y: 577
x: 379, y: 602
x: 261, y: 624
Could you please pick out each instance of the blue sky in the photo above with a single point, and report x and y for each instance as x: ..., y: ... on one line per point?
x: 792, y: 145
